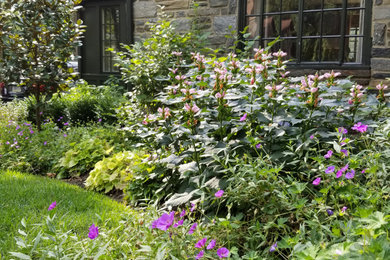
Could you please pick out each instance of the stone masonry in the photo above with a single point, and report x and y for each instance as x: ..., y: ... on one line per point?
x: 380, y: 59
x: 213, y: 16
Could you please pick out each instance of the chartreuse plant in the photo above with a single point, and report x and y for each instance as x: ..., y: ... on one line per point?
x: 115, y: 172
x: 36, y: 46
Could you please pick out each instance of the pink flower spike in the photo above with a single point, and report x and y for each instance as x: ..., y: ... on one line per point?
x: 219, y: 193
x: 52, y: 206
x: 243, y: 118
x: 317, y: 181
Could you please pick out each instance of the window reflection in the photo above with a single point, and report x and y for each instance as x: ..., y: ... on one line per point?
x: 110, y: 36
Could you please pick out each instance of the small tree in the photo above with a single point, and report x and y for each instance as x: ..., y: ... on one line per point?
x: 38, y: 39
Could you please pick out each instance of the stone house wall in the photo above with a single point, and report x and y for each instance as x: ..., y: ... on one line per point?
x: 380, y: 59
x: 212, y: 16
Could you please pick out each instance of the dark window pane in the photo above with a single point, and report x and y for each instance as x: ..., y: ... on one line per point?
x: 355, y: 3
x: 289, y: 25
x: 290, y: 5
x: 333, y: 3
x: 353, y: 49
x: 110, y: 36
x: 310, y: 50
x: 311, y: 23
x: 289, y: 46
x: 274, y: 47
x: 253, y: 24
x: 312, y: 4
x: 253, y: 7
x: 271, y: 6
x: 354, y: 22
x: 271, y: 26
x: 331, y: 21
x: 330, y: 48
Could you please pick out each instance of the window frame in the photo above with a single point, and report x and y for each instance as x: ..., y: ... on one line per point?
x: 339, y: 64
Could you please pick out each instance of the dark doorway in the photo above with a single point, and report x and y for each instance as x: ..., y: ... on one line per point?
x: 108, y: 24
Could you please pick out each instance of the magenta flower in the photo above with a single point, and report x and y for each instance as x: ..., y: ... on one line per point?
x: 359, y: 127
x: 200, y: 255
x: 201, y: 243
x: 211, y: 245
x: 243, y: 118
x: 223, y: 252
x: 312, y: 137
x: 339, y: 174
x: 342, y: 130
x: 364, y: 170
x: 328, y: 154
x: 258, y: 146
x: 52, y: 206
x: 44, y: 143
x: 273, y: 247
x: 193, y: 206
x: 93, y: 232
x: 179, y: 223
x: 192, y: 228
x: 317, y: 181
x: 345, y: 152
x: 219, y: 193
x: 165, y: 221
x: 350, y: 175
x: 344, y: 168
x: 343, y: 209
x: 330, y: 169
x: 183, y: 213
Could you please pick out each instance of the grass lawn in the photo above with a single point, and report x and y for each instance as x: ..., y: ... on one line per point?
x: 27, y: 196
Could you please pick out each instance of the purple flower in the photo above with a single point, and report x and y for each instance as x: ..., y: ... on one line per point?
x: 165, y: 221
x: 330, y: 212
x: 343, y: 209
x: 219, y: 193
x: 99, y: 120
x: 317, y: 181
x: 52, y: 206
x: 258, y: 146
x: 345, y: 152
x: 243, y: 118
x: 31, y: 131
x: 364, y: 170
x: 183, y: 213
x: 344, y: 168
x: 66, y: 123
x: 201, y: 243
x: 359, y: 127
x: 339, y: 174
x: 350, y: 175
x: 192, y: 228
x: 179, y: 223
x: 193, y: 206
x: 328, y: 154
x: 223, y: 252
x: 211, y: 245
x: 65, y: 135
x: 342, y: 130
x: 93, y: 232
x: 200, y: 255
x: 312, y: 137
x: 44, y: 143
x: 330, y: 169
x: 273, y: 247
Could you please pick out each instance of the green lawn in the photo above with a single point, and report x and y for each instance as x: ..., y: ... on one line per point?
x: 27, y: 196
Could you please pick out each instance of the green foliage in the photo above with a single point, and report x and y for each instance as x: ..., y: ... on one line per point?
x: 114, y: 172
x: 145, y: 64
x: 38, y: 38
x: 82, y: 156
x: 83, y: 103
